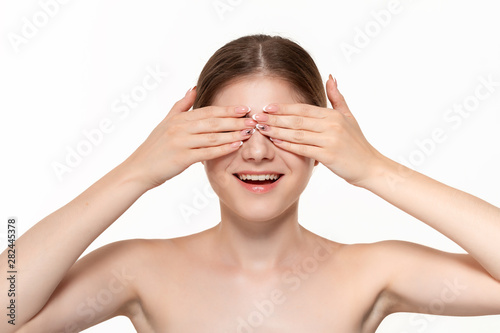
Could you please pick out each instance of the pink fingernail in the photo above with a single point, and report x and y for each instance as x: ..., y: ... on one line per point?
x: 275, y: 140
x: 190, y: 90
x: 260, y: 117
x: 270, y: 108
x: 248, y: 131
x: 236, y: 144
x: 242, y: 109
x: 262, y: 127
x: 250, y: 122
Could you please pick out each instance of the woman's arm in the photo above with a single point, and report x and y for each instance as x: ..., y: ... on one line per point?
x: 467, y: 220
x: 101, y: 285
x: 334, y: 138
x: 409, y: 277
x: 48, y: 250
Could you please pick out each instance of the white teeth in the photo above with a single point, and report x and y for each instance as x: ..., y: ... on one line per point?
x: 258, y: 177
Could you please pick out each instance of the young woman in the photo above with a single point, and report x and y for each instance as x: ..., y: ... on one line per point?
x: 259, y: 125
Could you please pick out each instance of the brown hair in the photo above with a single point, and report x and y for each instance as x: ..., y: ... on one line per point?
x: 261, y: 54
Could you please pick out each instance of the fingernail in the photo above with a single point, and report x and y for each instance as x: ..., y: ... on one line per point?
x: 262, y: 127
x: 330, y: 77
x: 236, y: 144
x: 242, y: 109
x: 250, y: 122
x: 187, y: 92
x: 275, y: 140
x: 248, y: 131
x: 260, y: 117
x: 270, y: 108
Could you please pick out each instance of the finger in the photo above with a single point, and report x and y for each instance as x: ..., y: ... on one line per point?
x: 217, y: 139
x: 209, y: 153
x: 335, y: 97
x: 297, y: 109
x: 217, y: 119
x: 292, y: 122
x: 185, y: 103
x: 217, y: 112
x: 295, y: 136
x: 312, y: 152
x: 215, y: 125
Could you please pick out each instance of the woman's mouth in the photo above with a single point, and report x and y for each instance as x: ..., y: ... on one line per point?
x: 261, y: 183
x: 258, y: 179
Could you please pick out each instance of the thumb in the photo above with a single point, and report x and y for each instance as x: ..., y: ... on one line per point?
x: 335, y: 97
x: 185, y: 103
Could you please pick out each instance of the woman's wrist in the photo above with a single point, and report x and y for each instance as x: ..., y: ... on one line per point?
x: 130, y: 176
x: 383, y: 173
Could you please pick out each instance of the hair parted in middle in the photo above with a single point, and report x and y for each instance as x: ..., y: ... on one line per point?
x: 265, y: 55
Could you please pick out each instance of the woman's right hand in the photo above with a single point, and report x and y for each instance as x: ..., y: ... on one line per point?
x: 184, y: 138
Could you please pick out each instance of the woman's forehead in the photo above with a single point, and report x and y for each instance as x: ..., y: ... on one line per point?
x: 256, y: 92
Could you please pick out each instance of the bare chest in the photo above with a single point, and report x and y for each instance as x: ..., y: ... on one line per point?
x: 296, y: 300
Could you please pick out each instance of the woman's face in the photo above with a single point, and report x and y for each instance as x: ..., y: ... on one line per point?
x: 258, y: 154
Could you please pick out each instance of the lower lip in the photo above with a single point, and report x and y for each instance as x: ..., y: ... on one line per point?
x: 259, y: 189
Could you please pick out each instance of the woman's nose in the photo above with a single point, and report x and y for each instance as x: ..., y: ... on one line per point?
x: 257, y: 147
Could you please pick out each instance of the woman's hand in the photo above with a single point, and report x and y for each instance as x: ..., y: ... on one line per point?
x: 184, y: 138
x: 332, y: 137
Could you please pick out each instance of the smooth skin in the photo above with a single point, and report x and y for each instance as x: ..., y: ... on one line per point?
x: 258, y: 269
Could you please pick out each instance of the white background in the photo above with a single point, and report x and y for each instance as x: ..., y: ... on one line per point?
x: 64, y: 79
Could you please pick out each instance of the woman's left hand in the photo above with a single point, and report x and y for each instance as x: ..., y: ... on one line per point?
x: 330, y: 136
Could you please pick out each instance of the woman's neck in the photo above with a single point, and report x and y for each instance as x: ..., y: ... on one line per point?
x: 259, y: 245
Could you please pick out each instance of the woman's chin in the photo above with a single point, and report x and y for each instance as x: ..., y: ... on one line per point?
x: 258, y: 210
x: 259, y: 213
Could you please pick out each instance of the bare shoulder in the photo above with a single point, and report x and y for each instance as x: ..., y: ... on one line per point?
x: 171, y: 248
x: 165, y: 257
x: 130, y: 261
x: 358, y: 272
x: 368, y: 269
x: 152, y: 250
x: 150, y: 254
x: 101, y: 285
x: 390, y: 256
x: 381, y: 262
x: 396, y: 268
x: 129, y: 252
x: 126, y: 260
x: 383, y: 253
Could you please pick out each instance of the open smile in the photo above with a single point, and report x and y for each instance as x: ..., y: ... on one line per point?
x: 259, y: 183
